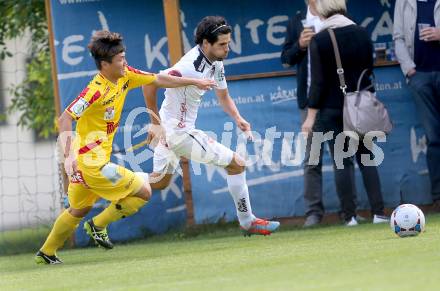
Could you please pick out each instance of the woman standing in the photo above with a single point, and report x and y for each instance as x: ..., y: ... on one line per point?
x: 326, y: 101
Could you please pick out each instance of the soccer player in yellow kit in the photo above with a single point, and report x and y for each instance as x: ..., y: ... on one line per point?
x: 97, y: 111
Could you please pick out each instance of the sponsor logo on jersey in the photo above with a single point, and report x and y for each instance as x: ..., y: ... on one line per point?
x: 111, y: 127
x: 109, y: 101
x: 128, y: 185
x: 221, y: 75
x: 212, y: 71
x: 183, y: 111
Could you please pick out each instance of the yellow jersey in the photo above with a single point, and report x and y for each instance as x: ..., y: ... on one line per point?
x: 97, y: 110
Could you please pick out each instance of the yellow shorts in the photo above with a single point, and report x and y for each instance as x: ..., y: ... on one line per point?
x: 111, y: 182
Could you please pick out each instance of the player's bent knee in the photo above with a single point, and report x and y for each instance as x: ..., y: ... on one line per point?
x: 145, y: 191
x: 79, y: 212
x: 237, y: 165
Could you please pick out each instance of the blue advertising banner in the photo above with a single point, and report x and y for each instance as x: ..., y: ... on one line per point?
x: 275, y: 175
x: 259, y: 28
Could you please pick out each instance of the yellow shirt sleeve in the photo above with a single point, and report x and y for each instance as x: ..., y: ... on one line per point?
x: 81, y: 103
x: 138, y: 78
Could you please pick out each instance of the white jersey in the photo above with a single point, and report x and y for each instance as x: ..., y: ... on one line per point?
x: 179, y: 109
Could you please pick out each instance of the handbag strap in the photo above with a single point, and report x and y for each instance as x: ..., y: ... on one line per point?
x: 360, y: 80
x: 339, y: 70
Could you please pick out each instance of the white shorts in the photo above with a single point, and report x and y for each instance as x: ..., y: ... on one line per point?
x: 194, y: 145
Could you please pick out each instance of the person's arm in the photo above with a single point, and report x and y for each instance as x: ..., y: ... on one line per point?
x: 230, y: 108
x: 316, y: 87
x: 79, y: 106
x: 66, y: 143
x: 167, y: 81
x: 402, y: 54
x: 139, y: 78
x: 307, y: 126
x: 292, y: 52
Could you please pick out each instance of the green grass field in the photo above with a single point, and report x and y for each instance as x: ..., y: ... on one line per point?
x: 367, y: 257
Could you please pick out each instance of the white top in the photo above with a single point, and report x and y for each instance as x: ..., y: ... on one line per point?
x: 179, y: 109
x: 313, y: 20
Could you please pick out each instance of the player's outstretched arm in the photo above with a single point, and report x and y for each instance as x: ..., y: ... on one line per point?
x: 167, y: 81
x: 230, y: 108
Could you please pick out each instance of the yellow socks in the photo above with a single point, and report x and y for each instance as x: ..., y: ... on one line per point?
x: 117, y: 210
x: 63, y: 228
x: 66, y: 223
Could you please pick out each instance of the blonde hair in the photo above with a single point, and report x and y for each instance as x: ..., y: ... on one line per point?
x: 328, y: 8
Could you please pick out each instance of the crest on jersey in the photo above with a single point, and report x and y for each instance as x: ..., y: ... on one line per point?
x: 109, y: 113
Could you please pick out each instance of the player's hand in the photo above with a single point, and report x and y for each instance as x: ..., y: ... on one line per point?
x: 245, y: 127
x: 430, y: 34
x: 205, y: 84
x: 155, y: 133
x: 70, y: 165
x: 305, y: 38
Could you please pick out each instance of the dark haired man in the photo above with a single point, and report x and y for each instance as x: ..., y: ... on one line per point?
x: 178, y: 114
x: 97, y: 111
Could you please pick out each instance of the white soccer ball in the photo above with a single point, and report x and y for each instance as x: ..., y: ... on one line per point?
x: 407, y: 220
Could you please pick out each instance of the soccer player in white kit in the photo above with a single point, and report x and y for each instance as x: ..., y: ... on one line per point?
x: 176, y: 135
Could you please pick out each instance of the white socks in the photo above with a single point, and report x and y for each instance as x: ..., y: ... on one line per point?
x: 239, y: 191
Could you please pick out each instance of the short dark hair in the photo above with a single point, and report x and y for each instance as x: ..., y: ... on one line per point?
x: 104, y: 45
x: 210, y: 27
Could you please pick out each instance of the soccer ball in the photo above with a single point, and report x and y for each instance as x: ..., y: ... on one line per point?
x: 407, y: 220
